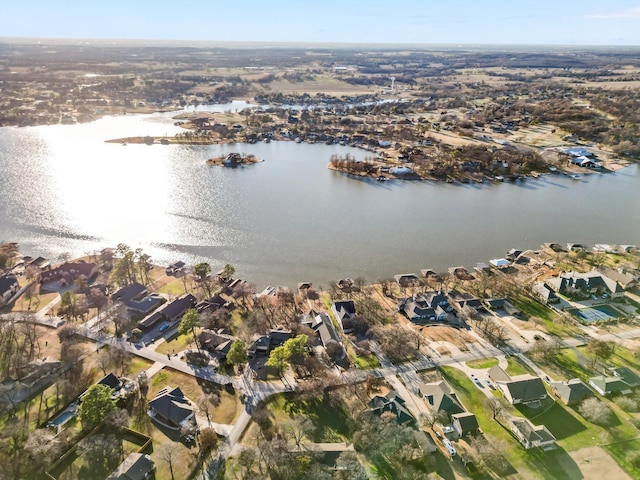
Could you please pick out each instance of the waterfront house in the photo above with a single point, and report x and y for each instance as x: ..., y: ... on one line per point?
x: 169, y: 313
x: 324, y: 328
x: 499, y: 262
x: 175, y: 269
x: 345, y: 313
x: 571, y: 392
x: 593, y: 282
x: 417, y: 310
x: 545, y: 293
x: 8, y: 288
x: 522, y: 389
x: 66, y: 273
x: 532, y: 436
x: 172, y: 409
x: 407, y: 279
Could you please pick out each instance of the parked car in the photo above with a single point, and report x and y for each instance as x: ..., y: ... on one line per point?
x: 164, y: 326
x: 605, y: 295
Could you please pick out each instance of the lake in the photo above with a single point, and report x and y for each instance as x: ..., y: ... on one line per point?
x: 287, y: 219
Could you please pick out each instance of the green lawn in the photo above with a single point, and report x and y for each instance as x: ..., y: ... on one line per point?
x: 515, y: 368
x: 620, y: 452
x: 482, y: 363
x: 176, y: 343
x: 328, y: 422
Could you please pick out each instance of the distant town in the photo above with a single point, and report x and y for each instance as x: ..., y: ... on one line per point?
x: 180, y: 371
x: 114, y: 367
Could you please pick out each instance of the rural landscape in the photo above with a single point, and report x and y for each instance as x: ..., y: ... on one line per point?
x: 526, y: 366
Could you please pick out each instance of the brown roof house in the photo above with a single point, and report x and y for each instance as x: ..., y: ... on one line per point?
x: 524, y: 389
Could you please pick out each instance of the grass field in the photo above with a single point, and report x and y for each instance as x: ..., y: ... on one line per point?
x: 482, y: 363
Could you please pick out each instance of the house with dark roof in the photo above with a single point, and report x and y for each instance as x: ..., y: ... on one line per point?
x: 417, y: 310
x: 571, y: 392
x: 172, y: 409
x: 171, y: 312
x: 610, y: 385
x: 627, y: 375
x: 68, y: 272
x: 391, y: 402
x: 215, y: 342
x: 545, y: 293
x: 137, y: 466
x: 593, y: 282
x: 345, y: 312
x: 532, y: 436
x: 212, y: 304
x: 465, y: 423
x: 407, y: 279
x: 438, y: 299
x: 324, y: 328
x: 441, y: 397
x: 129, y: 292
x: 8, y: 288
x: 523, y: 389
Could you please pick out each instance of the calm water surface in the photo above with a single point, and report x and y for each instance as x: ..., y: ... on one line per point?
x: 288, y: 219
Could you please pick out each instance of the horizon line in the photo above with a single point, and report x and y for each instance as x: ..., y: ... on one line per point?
x: 302, y: 43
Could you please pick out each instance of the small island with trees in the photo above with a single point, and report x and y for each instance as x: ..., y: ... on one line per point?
x: 234, y: 159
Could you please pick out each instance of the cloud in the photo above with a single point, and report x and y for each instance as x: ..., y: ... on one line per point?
x: 628, y: 14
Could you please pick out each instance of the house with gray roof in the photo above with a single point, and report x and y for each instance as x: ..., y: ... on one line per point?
x: 441, y: 397
x: 610, y: 385
x: 465, y: 423
x: 391, y: 402
x: 324, y: 328
x: 524, y: 389
x: 545, y: 293
x: 345, y: 312
x: 571, y: 392
x: 137, y: 466
x: 172, y: 409
x: 532, y: 436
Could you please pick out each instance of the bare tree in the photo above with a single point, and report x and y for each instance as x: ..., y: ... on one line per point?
x: 168, y: 454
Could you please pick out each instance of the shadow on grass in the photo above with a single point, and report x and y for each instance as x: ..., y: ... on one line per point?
x: 557, y: 420
x: 330, y: 420
x: 553, y: 464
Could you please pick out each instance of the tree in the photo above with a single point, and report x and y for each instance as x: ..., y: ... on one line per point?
x: 278, y: 359
x: 190, y: 320
x: 201, y: 271
x: 596, y: 411
x: 600, y: 350
x: 495, y: 405
x: 207, y: 439
x: 168, y: 454
x: 432, y: 419
x: 227, y: 272
x: 96, y: 405
x: 237, y: 353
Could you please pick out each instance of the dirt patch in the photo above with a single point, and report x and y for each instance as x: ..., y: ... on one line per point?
x: 459, y: 338
x: 595, y: 464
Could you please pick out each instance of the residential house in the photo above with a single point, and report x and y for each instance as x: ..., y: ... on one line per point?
x: 68, y: 272
x: 627, y: 375
x: 327, y: 332
x: 461, y: 273
x: 171, y: 312
x: 345, y: 313
x: 417, y: 310
x: 522, y: 389
x: 135, y: 297
x: 216, y: 342
x: 593, y: 282
x: 212, y: 304
x: 441, y: 397
x: 571, y: 392
x: 545, y: 293
x: 465, y: 423
x: 495, y: 303
x: 532, y: 436
x: 8, y: 288
x: 438, y: 299
x: 136, y: 466
x: 625, y: 280
x: 610, y: 385
x: 391, y: 402
x: 121, y: 388
x: 172, y: 409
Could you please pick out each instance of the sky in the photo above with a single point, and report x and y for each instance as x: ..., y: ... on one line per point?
x: 526, y: 22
